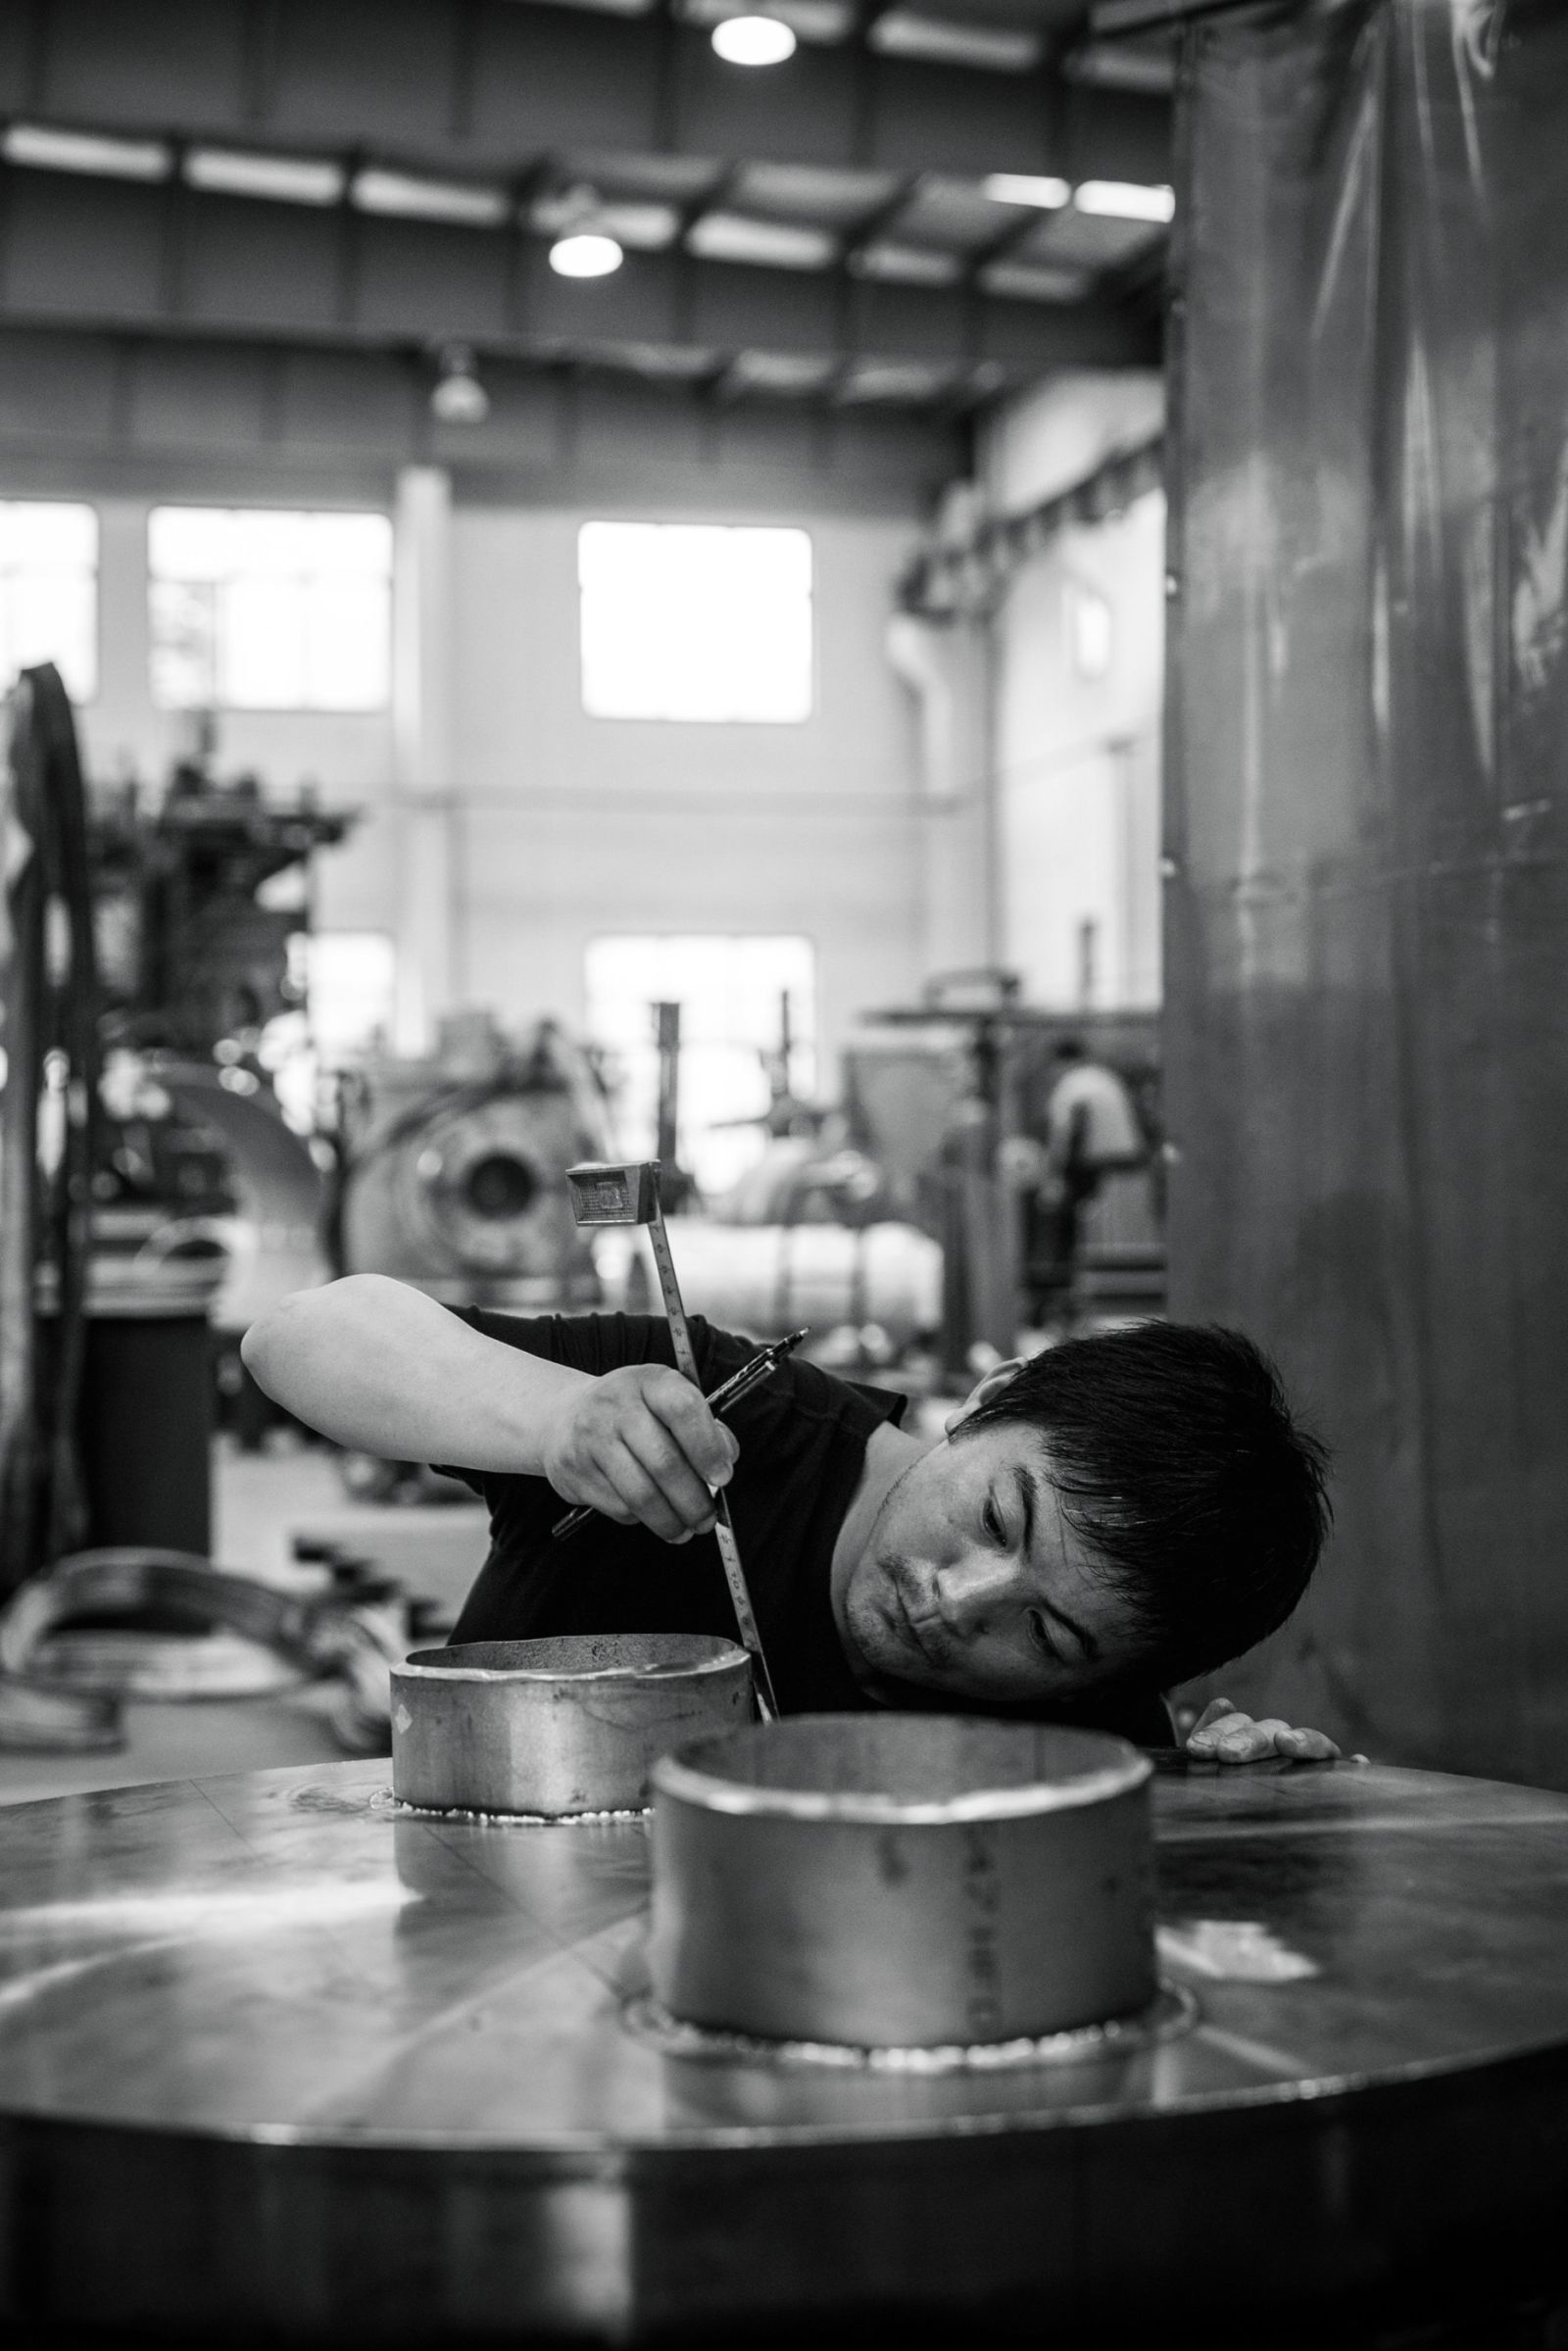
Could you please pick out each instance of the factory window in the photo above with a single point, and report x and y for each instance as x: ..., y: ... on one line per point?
x: 261, y: 610
x: 1090, y: 630
x: 734, y: 1024
x: 49, y: 591
x: 350, y: 979
x: 696, y: 621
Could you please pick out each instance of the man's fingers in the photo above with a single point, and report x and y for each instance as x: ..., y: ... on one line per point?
x: 1212, y: 1713
x: 639, y: 1494
x: 1306, y: 1746
x: 1218, y: 1721
x: 657, y: 1452
x: 712, y: 1450
x: 1234, y: 1738
x: 1242, y: 1740
x: 593, y: 1485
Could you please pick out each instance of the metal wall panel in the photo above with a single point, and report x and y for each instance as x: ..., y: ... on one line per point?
x: 1367, y: 926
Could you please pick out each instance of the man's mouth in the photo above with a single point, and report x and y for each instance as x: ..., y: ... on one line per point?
x: 908, y: 1626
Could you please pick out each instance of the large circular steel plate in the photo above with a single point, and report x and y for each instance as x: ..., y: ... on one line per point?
x: 277, y: 2062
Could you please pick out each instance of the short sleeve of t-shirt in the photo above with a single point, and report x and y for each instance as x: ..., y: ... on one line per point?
x: 802, y: 1435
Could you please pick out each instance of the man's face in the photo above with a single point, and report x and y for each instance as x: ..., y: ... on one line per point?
x: 971, y: 1581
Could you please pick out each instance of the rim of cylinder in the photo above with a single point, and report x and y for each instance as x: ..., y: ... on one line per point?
x: 671, y: 1776
x: 715, y: 1656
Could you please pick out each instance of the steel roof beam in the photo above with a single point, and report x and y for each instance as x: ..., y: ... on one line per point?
x: 491, y: 86
x: 108, y: 254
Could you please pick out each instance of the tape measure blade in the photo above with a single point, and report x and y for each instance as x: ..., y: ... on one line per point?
x: 745, y: 1615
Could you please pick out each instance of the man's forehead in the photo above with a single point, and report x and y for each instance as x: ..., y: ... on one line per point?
x: 1015, y: 1444
x: 1019, y: 1459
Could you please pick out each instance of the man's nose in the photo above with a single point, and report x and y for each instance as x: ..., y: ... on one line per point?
x: 975, y: 1590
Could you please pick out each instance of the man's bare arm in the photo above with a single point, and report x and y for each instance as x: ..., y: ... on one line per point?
x: 382, y: 1367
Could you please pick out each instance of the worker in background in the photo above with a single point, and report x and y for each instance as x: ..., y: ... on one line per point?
x: 1107, y: 1519
x: 1092, y: 1131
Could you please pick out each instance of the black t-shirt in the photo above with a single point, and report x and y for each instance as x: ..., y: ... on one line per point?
x: 803, y: 1436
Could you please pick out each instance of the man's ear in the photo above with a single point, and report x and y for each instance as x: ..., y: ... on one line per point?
x: 983, y: 1390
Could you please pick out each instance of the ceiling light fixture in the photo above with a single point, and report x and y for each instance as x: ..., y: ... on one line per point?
x: 754, y: 40
x: 48, y: 150
x: 585, y: 253
x: 404, y: 195
x: 284, y: 178
x: 1125, y: 200
x: 1023, y: 187
x: 458, y: 397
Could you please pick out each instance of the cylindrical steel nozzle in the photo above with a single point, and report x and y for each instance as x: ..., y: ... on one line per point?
x: 557, y: 1726
x: 901, y: 1880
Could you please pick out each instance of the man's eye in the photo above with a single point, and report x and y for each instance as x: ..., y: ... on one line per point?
x: 990, y: 1519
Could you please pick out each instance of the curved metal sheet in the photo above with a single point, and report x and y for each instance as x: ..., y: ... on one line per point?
x: 1367, y: 923
x: 274, y: 2057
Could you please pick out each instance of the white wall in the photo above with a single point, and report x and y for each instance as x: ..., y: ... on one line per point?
x: 572, y: 825
x: 1053, y: 437
x: 343, y: 751
x: 1076, y: 761
x: 346, y: 756
x: 562, y: 826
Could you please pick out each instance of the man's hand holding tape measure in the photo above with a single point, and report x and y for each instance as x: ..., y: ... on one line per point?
x: 641, y: 1446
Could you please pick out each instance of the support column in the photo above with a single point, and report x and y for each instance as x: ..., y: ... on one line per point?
x: 945, y: 663
x: 423, y: 755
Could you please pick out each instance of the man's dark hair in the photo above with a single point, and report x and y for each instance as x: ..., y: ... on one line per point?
x: 1177, y: 1459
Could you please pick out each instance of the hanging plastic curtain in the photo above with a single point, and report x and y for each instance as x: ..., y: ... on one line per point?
x: 1367, y: 933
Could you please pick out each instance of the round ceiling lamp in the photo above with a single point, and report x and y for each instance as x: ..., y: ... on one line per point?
x: 753, y: 42
x: 458, y: 396
x: 585, y: 253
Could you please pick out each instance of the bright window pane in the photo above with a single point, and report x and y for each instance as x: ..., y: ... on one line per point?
x: 184, y: 646
x: 49, y: 591
x: 730, y: 991
x: 344, y: 544
x: 260, y: 645
x: 1093, y: 632
x: 190, y: 542
x: 696, y: 621
x: 347, y: 629
x: 37, y: 533
x: 351, y: 978
x: 268, y: 608
x: 270, y: 545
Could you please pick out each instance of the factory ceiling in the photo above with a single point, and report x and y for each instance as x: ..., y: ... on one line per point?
x: 925, y: 205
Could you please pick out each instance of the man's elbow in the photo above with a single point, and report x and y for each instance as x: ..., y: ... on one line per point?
x: 288, y: 1335
x: 274, y: 1338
